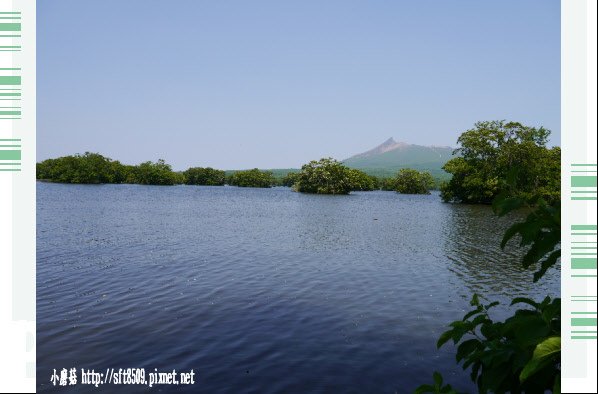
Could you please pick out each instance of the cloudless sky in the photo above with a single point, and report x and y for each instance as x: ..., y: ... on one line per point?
x: 273, y: 84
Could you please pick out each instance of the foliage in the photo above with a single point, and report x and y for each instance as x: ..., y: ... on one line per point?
x: 360, y: 181
x: 327, y: 176
x: 251, y: 178
x: 541, y: 231
x: 289, y: 179
x: 86, y: 168
x: 389, y: 184
x: 490, y: 150
x: 158, y: 173
x: 436, y: 388
x: 94, y: 168
x: 518, y: 355
x: 204, y: 176
x: 410, y: 181
x: 522, y: 353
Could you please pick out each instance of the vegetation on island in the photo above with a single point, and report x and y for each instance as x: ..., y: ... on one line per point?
x: 330, y: 176
x: 93, y: 168
x: 490, y: 150
x: 409, y: 181
x: 289, y: 179
x: 158, y: 173
x: 251, y: 178
x: 206, y: 176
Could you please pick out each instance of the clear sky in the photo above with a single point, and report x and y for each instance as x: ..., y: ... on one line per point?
x: 273, y: 84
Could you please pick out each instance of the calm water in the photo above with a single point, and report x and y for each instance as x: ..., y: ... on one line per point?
x: 262, y: 290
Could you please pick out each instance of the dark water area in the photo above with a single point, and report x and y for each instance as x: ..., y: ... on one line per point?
x: 263, y: 290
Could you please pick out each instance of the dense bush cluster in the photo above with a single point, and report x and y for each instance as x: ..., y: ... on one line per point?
x: 410, y: 181
x: 204, y: 176
x: 329, y: 176
x: 490, y: 151
x: 252, y: 178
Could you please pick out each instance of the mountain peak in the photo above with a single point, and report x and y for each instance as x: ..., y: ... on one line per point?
x: 394, y: 155
x: 386, y: 146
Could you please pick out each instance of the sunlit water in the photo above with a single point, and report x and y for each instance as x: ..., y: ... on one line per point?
x: 263, y: 290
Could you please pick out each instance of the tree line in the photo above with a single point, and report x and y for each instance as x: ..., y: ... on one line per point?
x: 326, y: 176
x: 487, y: 153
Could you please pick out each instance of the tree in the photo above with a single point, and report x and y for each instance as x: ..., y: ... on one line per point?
x: 86, y: 168
x: 410, y: 181
x: 490, y: 150
x: 204, y: 176
x: 158, y: 173
x: 252, y: 178
x: 325, y: 176
x: 289, y: 179
x: 360, y: 181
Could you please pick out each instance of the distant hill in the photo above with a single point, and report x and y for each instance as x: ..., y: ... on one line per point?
x: 387, y: 158
x: 390, y: 156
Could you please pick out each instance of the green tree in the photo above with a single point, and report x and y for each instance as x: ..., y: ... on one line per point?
x: 325, y: 176
x: 158, y: 173
x: 360, y: 181
x: 289, y: 179
x: 252, y: 178
x: 409, y: 181
x: 388, y: 184
x: 204, y: 176
x: 86, y: 168
x: 490, y: 150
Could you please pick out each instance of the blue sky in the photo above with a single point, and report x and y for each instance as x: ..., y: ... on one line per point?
x: 273, y: 84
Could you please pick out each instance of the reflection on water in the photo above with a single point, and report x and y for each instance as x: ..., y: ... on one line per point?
x: 263, y: 290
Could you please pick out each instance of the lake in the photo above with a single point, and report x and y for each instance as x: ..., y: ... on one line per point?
x: 263, y: 290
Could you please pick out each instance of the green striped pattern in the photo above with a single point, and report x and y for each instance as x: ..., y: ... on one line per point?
x: 10, y: 155
x: 583, y: 182
x: 583, y: 323
x: 10, y: 28
x: 583, y: 250
x: 10, y: 93
x: 10, y: 113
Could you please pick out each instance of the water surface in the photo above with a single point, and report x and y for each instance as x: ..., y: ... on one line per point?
x: 263, y: 290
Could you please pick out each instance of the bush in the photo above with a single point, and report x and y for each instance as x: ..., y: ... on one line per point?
x: 204, y: 176
x: 86, y: 168
x: 158, y: 173
x: 325, y: 176
x: 490, y: 150
x: 360, y: 181
x: 289, y: 179
x: 251, y: 178
x: 410, y: 181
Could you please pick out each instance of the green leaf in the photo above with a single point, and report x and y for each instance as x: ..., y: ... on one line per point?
x: 545, y: 354
x: 546, y: 264
x: 437, y: 379
x: 510, y: 233
x: 444, y: 338
x: 466, y: 348
x: 556, y: 389
x: 479, y: 309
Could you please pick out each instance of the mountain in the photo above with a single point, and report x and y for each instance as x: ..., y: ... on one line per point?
x: 390, y: 156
